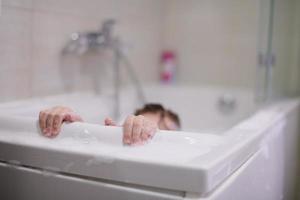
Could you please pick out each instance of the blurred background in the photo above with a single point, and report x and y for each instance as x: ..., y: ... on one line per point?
x: 252, y: 44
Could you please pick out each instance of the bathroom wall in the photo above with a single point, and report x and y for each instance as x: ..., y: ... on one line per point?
x: 15, y: 50
x: 216, y: 40
x: 33, y: 33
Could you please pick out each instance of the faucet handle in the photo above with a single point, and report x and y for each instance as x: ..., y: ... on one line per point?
x: 107, y: 29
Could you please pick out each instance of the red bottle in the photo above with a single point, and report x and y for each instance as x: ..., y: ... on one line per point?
x: 168, y: 67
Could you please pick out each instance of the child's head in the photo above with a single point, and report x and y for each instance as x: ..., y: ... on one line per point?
x: 166, y: 119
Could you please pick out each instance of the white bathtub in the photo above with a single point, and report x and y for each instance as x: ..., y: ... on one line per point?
x: 216, y: 155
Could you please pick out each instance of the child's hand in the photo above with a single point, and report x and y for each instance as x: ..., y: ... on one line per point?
x: 50, y: 120
x: 138, y: 129
x: 109, y: 122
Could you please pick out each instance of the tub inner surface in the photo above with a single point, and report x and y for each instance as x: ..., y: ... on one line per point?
x: 200, y: 109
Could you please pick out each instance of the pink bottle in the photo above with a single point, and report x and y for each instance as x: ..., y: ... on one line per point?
x: 168, y: 66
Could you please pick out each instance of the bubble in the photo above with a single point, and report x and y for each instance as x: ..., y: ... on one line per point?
x: 85, y: 137
x: 190, y: 140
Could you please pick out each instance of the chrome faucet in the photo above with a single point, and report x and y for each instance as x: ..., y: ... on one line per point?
x: 82, y: 43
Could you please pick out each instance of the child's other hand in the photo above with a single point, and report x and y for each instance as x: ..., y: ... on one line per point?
x: 50, y: 120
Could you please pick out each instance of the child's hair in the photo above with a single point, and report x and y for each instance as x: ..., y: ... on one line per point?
x: 158, y: 108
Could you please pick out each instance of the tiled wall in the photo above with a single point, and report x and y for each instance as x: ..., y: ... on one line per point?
x: 216, y: 41
x: 33, y: 32
x: 15, y: 50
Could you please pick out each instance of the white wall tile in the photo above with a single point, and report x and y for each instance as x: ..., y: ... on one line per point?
x: 15, y: 84
x: 18, y: 3
x: 15, y: 53
x: 97, y: 9
x: 145, y: 38
x: 50, y: 33
x: 215, y: 40
x: 15, y: 38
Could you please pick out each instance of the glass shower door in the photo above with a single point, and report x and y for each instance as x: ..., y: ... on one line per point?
x: 278, y: 50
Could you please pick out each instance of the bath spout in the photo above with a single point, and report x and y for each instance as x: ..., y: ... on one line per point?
x: 103, y: 39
